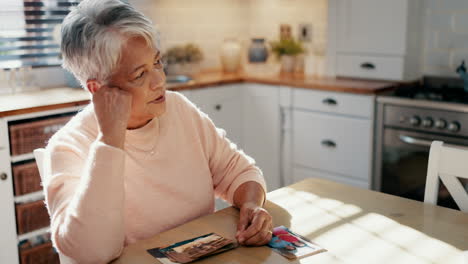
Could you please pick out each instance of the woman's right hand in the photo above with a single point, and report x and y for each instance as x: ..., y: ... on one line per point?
x: 112, y: 107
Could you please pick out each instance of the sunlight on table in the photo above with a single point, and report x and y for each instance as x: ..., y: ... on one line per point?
x: 350, y: 234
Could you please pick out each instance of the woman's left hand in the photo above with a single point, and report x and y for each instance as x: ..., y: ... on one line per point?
x: 255, y: 225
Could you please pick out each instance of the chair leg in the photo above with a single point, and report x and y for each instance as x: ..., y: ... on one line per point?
x: 432, y: 179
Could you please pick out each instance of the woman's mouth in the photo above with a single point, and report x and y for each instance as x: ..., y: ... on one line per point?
x: 158, y: 100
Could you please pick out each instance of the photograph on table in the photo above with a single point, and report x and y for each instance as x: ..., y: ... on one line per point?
x: 192, y: 249
x: 291, y: 245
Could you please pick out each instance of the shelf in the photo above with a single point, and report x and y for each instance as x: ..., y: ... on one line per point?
x: 30, y: 197
x: 34, y: 233
x: 23, y: 157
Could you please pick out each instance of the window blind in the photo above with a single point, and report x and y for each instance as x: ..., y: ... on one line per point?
x: 27, y: 29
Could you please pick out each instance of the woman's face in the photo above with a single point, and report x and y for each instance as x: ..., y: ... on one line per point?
x: 140, y: 72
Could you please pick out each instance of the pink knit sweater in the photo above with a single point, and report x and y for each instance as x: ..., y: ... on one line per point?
x: 101, y: 198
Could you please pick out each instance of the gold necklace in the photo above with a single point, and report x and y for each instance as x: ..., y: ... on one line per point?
x: 152, y: 150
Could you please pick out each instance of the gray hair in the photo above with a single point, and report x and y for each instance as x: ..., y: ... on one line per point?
x: 93, y: 34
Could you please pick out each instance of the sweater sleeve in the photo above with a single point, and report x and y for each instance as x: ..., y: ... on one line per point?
x: 85, y: 199
x: 229, y: 166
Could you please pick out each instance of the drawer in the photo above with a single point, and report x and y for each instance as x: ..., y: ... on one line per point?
x: 331, y: 102
x: 334, y: 144
x: 41, y: 254
x: 371, y: 67
x: 25, y: 136
x: 31, y: 216
x: 300, y: 174
x: 26, y: 178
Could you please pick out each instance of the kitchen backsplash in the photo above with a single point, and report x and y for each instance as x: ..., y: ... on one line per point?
x: 446, y: 36
x: 208, y: 22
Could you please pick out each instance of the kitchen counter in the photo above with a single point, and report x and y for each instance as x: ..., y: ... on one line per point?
x: 302, y: 81
x: 56, y: 98
x: 42, y: 100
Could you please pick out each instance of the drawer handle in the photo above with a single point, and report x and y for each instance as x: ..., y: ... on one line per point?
x: 328, y: 143
x: 218, y: 107
x: 3, y: 176
x: 329, y: 101
x: 368, y: 66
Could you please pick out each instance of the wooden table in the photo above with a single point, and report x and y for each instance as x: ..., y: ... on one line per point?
x: 355, y: 225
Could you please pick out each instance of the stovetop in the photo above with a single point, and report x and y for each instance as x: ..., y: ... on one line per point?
x: 440, y: 94
x: 437, y: 89
x: 436, y: 105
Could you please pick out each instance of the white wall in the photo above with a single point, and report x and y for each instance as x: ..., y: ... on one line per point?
x: 446, y: 36
x: 209, y: 22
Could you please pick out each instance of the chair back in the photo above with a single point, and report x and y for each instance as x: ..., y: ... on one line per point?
x: 449, y: 164
x: 39, y: 156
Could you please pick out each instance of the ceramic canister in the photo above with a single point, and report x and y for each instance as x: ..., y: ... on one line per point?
x: 258, y: 51
x: 230, y: 55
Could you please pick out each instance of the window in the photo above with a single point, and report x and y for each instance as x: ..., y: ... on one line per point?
x: 27, y: 30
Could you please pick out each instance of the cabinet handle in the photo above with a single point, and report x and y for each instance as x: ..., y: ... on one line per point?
x: 368, y: 66
x: 328, y: 143
x: 218, y: 107
x: 329, y: 101
x: 3, y: 176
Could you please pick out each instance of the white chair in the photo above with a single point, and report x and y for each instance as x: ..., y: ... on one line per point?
x: 39, y: 156
x: 448, y: 164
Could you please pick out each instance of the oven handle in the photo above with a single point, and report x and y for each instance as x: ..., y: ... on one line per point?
x: 415, y: 141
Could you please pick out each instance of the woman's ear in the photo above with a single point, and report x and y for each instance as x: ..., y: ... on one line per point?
x: 93, y: 85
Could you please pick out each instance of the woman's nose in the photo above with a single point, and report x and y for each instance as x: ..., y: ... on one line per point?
x: 158, y: 79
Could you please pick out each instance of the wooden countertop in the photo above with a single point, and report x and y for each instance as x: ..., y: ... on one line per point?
x: 56, y: 98
x: 354, y: 225
x: 301, y: 81
x: 42, y: 100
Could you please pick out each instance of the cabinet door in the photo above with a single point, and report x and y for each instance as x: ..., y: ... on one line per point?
x: 223, y: 105
x: 372, y: 26
x: 301, y: 173
x: 261, y: 130
x: 8, y: 238
x: 334, y: 144
x: 186, y: 93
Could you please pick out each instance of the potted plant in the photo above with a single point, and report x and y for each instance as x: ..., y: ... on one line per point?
x: 287, y: 51
x: 183, y: 59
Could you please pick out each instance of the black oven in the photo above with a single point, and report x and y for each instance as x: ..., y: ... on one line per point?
x: 405, y: 130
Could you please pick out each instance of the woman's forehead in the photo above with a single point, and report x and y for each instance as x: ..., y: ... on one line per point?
x: 135, y: 53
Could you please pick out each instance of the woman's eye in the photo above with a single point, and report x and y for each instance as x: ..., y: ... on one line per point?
x: 141, y: 75
x: 158, y: 64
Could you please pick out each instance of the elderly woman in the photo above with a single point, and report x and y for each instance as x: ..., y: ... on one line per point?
x: 139, y: 160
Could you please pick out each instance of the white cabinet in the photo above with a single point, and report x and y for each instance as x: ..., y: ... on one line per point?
x: 332, y: 143
x: 262, y: 129
x: 250, y: 114
x: 372, y: 26
x: 223, y: 105
x: 332, y: 136
x: 8, y: 237
x: 186, y: 93
x: 375, y: 39
x: 19, y: 188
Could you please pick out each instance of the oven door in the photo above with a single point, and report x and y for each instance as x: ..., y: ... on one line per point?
x: 405, y: 156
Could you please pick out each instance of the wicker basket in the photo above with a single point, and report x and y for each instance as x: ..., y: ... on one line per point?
x: 25, y: 137
x: 41, y: 254
x: 26, y: 178
x: 31, y: 216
